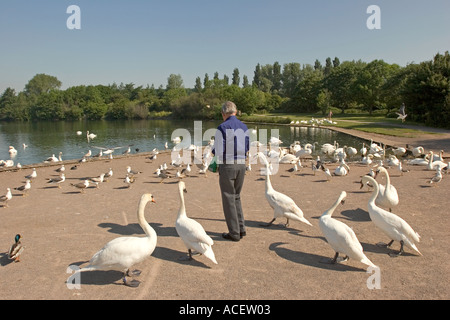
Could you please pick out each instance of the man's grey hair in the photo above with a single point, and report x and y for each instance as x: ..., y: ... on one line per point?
x: 229, y: 108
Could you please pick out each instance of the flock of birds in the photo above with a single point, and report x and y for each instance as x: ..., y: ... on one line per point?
x: 124, y: 252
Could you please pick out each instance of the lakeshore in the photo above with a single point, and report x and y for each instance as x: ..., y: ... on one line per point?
x: 63, y: 228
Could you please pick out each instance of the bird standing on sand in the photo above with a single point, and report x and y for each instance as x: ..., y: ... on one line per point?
x: 16, y: 249
x: 58, y: 180
x: 5, y: 198
x: 24, y: 188
x: 82, y: 185
x: 32, y: 175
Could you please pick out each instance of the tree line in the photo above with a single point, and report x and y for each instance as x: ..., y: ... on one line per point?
x: 350, y: 86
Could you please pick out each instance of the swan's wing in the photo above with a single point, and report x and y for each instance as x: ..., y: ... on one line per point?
x: 282, y: 202
x: 192, y: 231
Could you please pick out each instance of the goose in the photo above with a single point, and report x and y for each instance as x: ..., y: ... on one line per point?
x: 192, y: 232
x: 387, y: 196
x: 58, y: 180
x: 433, y: 164
x: 122, y: 253
x: 24, y: 188
x: 341, y: 237
x: 6, y: 197
x: 392, y: 225
x: 283, y: 205
x: 16, y: 249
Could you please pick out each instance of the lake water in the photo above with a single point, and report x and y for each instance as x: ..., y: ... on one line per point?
x: 46, y: 138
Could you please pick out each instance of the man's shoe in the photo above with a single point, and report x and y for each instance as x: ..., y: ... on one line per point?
x: 229, y: 237
x: 243, y: 234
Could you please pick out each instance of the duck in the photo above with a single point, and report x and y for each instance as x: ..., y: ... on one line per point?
x: 391, y: 224
x: 192, y: 232
x: 122, y: 253
x: 16, y: 249
x: 387, y: 196
x: 341, y: 237
x: 6, y: 197
x: 283, y: 205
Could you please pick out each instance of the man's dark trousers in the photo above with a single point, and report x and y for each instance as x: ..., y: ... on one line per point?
x: 231, y: 180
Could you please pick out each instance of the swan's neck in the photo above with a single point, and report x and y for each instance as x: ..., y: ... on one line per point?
x: 374, y: 195
x: 388, y: 180
x: 142, y: 222
x: 182, y: 210
x: 268, y: 184
x: 330, y: 211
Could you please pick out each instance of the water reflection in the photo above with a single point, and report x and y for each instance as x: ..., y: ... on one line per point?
x: 47, y: 138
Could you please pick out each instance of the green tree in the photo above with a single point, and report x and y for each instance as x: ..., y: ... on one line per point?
x: 41, y: 83
x: 235, y: 78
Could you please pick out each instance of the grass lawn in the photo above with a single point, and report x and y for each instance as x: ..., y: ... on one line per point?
x: 362, y: 122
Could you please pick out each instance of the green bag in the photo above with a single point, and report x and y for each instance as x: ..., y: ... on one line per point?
x: 213, y: 165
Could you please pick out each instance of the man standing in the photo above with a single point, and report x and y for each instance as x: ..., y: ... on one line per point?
x: 231, y: 145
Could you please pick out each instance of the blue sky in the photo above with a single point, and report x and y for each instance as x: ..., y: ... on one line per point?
x: 144, y: 41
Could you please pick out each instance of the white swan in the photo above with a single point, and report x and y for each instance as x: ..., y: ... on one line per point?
x: 342, y: 170
x: 387, y: 195
x: 192, y: 232
x: 340, y: 236
x: 306, y: 151
x: 433, y: 164
x: 392, y: 225
x: 282, y: 205
x: 122, y: 253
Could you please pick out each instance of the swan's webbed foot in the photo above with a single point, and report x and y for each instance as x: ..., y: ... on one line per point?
x: 329, y: 260
x: 134, y: 273
x: 287, y: 223
x: 385, y: 245
x: 189, y: 256
x: 267, y: 224
x: 133, y: 283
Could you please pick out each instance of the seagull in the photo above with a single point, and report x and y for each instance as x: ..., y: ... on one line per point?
x: 32, y: 175
x: 129, y: 180
x: 438, y: 176
x: 24, y: 188
x: 98, y: 179
x: 58, y: 180
x: 108, y: 151
x: 82, y: 185
x: 61, y: 169
x: 5, y: 198
x: 131, y: 172
x: 109, y: 173
x: 401, y: 114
